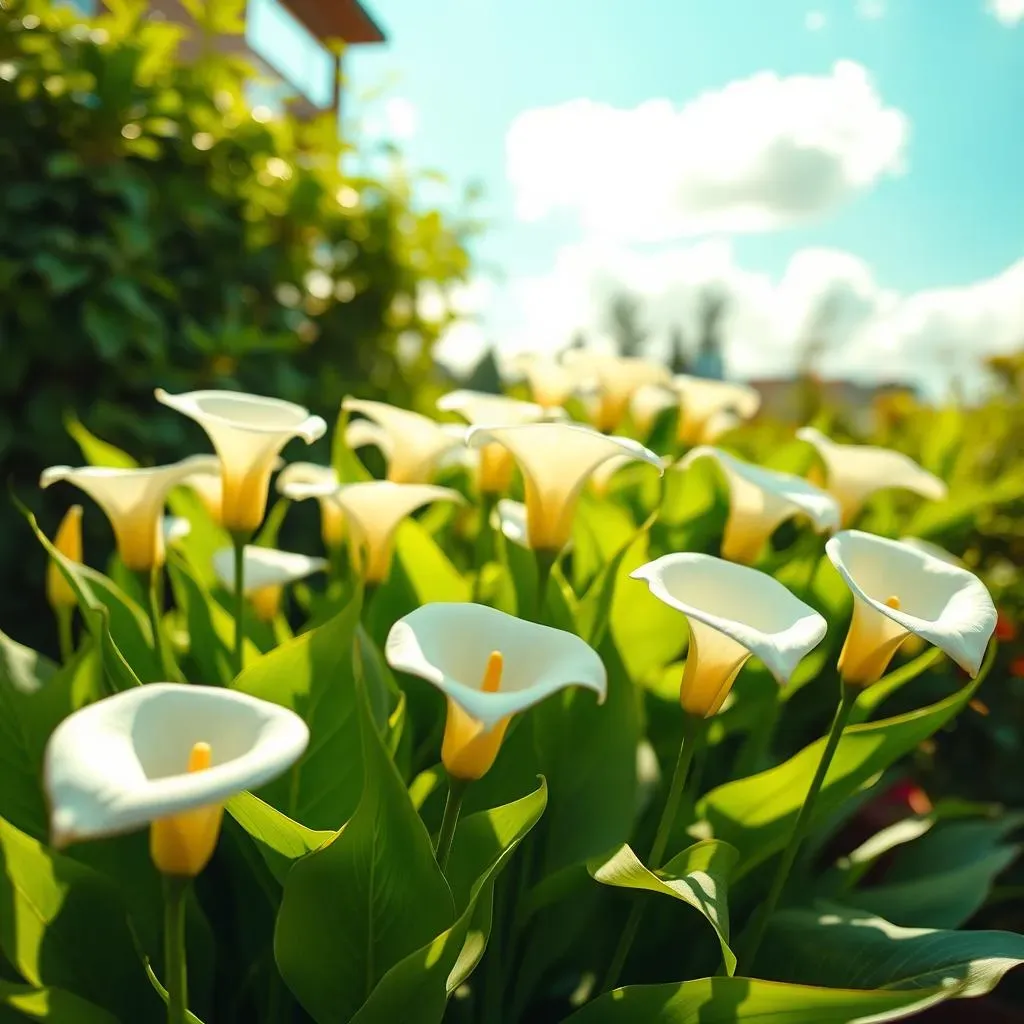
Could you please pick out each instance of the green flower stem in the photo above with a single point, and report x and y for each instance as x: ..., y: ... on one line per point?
x: 545, y: 563
x: 484, y: 540
x: 753, y: 940
x: 239, y: 543
x: 154, y: 590
x: 175, y: 970
x: 693, y: 731
x: 65, y: 615
x: 456, y: 791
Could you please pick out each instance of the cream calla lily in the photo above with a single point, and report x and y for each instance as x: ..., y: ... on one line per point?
x: 760, y: 499
x: 123, y: 763
x: 265, y: 574
x: 648, y: 402
x: 853, y: 472
x: 375, y: 508
x: 733, y: 612
x: 301, y: 480
x: 556, y: 459
x: 133, y: 500
x: 551, y: 383
x: 248, y: 433
x: 899, y: 591
x: 617, y: 378
x: 490, y: 666
x: 703, y: 401
x: 413, y: 444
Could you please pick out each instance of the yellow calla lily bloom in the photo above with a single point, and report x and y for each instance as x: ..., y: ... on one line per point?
x: 703, y: 403
x: 615, y: 380
x: 301, y: 480
x: 68, y: 541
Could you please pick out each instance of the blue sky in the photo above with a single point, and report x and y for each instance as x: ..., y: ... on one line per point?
x: 941, y: 209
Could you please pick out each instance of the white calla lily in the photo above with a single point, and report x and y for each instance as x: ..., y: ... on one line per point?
x: 294, y: 482
x: 375, y: 508
x: 760, y: 499
x: 265, y: 574
x: 901, y: 591
x: 166, y: 755
x: 703, y: 401
x: 648, y: 402
x: 175, y: 528
x: 248, y: 433
x: 413, y: 444
x: 853, y: 472
x: 556, y: 460
x: 490, y: 666
x: 733, y: 612
x: 617, y: 379
x: 133, y: 500
x: 551, y: 383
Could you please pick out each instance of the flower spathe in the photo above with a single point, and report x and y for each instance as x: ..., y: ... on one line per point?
x: 490, y: 666
x: 617, y: 379
x: 169, y: 754
x: 248, y: 433
x: 853, y: 472
x: 556, y: 460
x: 265, y: 574
x: 760, y: 499
x: 133, y: 500
x: 413, y: 444
x: 704, y: 401
x: 899, y: 591
x: 301, y: 480
x: 68, y: 541
x: 375, y: 508
x: 733, y: 612
x: 551, y: 383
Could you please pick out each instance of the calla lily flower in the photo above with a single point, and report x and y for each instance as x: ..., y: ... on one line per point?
x: 617, y: 379
x: 490, y: 666
x: 301, y: 480
x: 760, y: 499
x: 733, y: 612
x: 556, y: 459
x: 265, y: 574
x: 551, y: 383
x: 704, y: 400
x: 165, y: 755
x: 648, y: 402
x: 248, y: 433
x: 68, y: 541
x: 509, y: 517
x: 496, y: 465
x: 133, y: 500
x: 412, y: 444
x: 601, y: 478
x: 375, y: 508
x: 853, y: 472
x: 900, y: 591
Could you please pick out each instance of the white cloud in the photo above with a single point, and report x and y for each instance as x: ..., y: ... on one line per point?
x: 815, y: 21
x: 760, y: 154
x: 871, y: 10
x: 870, y: 332
x: 1007, y: 12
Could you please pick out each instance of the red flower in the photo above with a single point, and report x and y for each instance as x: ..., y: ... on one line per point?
x: 1006, y: 628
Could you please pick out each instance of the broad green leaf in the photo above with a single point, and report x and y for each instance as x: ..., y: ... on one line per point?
x: 756, y: 814
x: 279, y: 839
x: 95, y: 451
x: 53, y: 1005
x: 313, y: 675
x: 35, y: 695
x: 63, y: 924
x: 699, y: 876
x: 366, y: 899
x: 846, y: 948
x: 417, y: 988
x: 738, y: 1000
x: 426, y: 567
x: 600, y: 531
x: 933, y: 519
x: 873, y: 696
x: 941, y: 879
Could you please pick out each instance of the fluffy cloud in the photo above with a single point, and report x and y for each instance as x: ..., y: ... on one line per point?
x: 760, y: 154
x: 1007, y: 12
x: 866, y: 330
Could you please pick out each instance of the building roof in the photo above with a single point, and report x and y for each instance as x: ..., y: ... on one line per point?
x: 337, y: 19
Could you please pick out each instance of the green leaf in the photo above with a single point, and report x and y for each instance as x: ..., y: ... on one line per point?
x: 417, y: 988
x: 699, y: 876
x: 53, y: 1005
x: 756, y: 814
x: 313, y: 675
x: 846, y: 948
x: 428, y: 570
x: 366, y: 899
x: 279, y: 839
x: 873, y: 696
x: 734, y: 1000
x: 204, y: 537
x: 63, y: 924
